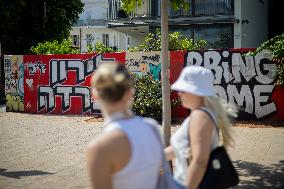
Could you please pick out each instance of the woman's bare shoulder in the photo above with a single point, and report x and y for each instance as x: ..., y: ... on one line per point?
x: 200, y: 120
x: 107, y: 141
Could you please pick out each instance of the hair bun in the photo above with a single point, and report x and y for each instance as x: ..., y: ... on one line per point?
x: 111, y: 81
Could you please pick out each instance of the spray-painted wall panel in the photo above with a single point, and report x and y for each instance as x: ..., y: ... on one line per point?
x: 60, y: 84
x: 14, y: 82
x: 143, y: 63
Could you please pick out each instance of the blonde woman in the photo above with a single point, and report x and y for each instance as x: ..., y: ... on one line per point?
x: 128, y: 154
x: 193, y: 142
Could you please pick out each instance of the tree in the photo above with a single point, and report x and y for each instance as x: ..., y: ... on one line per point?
x: 24, y: 23
x: 177, y: 41
x: 128, y: 6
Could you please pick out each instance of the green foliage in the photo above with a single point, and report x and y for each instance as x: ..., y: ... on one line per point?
x: 130, y: 5
x: 276, y: 47
x: 280, y: 73
x: 133, y: 49
x: 152, y: 42
x: 148, y: 97
x: 55, y: 47
x: 102, y: 48
x: 25, y: 23
x: 179, y: 4
x: 176, y: 42
x: 90, y: 48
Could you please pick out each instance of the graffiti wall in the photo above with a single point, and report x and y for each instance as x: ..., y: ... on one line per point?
x: 60, y: 84
x: 14, y: 82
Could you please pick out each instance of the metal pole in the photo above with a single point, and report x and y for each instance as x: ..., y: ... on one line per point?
x: 0, y: 63
x: 80, y: 38
x: 166, y: 122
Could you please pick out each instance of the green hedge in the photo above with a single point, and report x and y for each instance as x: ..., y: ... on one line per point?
x: 148, y: 97
x: 55, y: 47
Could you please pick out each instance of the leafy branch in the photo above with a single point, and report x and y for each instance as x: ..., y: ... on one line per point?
x: 276, y: 47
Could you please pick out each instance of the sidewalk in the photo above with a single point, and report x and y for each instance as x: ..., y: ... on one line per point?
x: 259, y: 157
x: 42, y: 151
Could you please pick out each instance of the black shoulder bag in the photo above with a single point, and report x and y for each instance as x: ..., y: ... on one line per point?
x: 220, y: 172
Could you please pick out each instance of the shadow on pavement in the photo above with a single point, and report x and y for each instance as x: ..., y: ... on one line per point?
x: 253, y: 175
x: 19, y: 174
x: 268, y: 123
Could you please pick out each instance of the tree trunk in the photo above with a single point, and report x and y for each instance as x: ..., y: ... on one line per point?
x: 166, y: 123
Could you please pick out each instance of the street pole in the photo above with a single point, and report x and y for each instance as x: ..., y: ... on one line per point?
x: 166, y: 122
x: 80, y: 38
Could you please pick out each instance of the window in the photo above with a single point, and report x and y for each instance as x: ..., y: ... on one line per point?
x: 106, y: 40
x: 89, y: 38
x: 216, y: 36
x: 213, y: 7
x: 75, y: 40
x: 114, y: 40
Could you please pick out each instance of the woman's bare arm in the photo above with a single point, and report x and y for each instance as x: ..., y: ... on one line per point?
x: 107, y: 155
x: 169, y: 152
x: 200, y: 132
x: 98, y: 166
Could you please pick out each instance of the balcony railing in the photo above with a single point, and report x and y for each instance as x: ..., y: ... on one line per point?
x: 151, y: 9
x: 91, y: 22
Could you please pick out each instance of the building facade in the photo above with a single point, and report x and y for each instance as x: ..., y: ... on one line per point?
x: 92, y: 27
x: 221, y: 23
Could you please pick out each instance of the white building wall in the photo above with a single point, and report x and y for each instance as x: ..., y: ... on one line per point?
x: 238, y: 25
x: 122, y: 41
x: 94, y: 9
x: 115, y: 37
x: 255, y: 32
x: 97, y: 10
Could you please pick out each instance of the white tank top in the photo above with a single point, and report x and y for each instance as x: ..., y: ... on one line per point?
x: 143, y: 167
x: 181, y: 146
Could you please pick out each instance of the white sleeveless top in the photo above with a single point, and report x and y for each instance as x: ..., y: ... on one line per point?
x: 143, y: 167
x: 181, y: 145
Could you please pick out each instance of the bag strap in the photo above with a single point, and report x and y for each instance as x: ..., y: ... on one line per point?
x: 153, y: 126
x: 214, y: 123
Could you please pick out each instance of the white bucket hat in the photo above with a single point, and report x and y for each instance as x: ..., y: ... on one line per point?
x: 196, y: 80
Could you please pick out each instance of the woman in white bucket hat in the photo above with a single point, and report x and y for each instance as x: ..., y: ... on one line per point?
x: 193, y: 142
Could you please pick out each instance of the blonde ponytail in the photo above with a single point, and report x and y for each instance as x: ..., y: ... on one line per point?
x: 222, y: 111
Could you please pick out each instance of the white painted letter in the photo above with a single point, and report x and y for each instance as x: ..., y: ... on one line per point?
x: 211, y: 61
x: 263, y: 110
x: 243, y: 96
